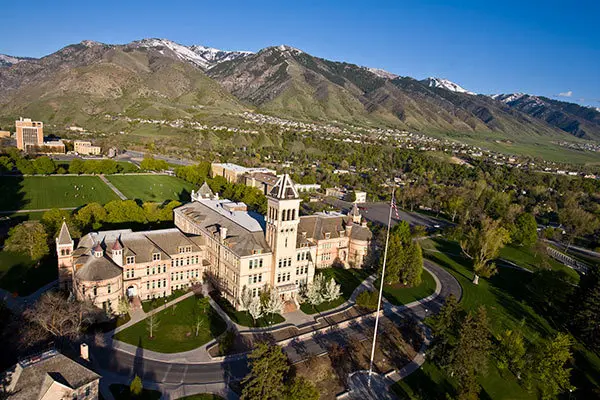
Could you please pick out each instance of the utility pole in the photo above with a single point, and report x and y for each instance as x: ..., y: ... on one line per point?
x: 387, y: 240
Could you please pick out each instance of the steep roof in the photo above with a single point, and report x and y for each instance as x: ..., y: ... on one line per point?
x: 36, y: 375
x: 205, y: 191
x: 245, y: 229
x: 64, y: 237
x: 284, y: 188
x: 142, y: 245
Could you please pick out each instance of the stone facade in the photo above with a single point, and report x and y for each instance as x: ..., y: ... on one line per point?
x: 219, y: 239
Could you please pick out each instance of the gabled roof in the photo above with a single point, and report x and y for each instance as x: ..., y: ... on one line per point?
x: 205, y: 191
x: 284, y: 188
x: 64, y: 237
x: 35, y: 376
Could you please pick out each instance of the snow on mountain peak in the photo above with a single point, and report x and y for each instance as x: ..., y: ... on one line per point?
x: 7, y: 61
x: 445, y: 84
x: 382, y: 73
x: 201, y: 56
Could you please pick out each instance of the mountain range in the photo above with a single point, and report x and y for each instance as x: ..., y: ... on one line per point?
x: 160, y: 78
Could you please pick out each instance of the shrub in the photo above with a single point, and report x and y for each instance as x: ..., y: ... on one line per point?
x: 367, y: 299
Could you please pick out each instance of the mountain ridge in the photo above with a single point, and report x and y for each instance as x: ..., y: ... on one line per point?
x: 280, y: 80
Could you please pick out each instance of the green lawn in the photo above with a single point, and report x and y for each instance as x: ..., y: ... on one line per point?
x: 156, y: 188
x: 349, y: 279
x: 151, y: 304
x: 175, y: 332
x: 243, y: 318
x: 37, y: 192
x: 527, y: 258
x: 20, y: 275
x: 121, y: 392
x: 507, y: 300
x: 398, y: 294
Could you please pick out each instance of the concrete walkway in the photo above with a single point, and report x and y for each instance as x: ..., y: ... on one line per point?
x: 113, y: 188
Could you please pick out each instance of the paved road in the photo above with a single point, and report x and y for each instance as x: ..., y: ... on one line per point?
x: 379, y: 212
x: 235, y: 367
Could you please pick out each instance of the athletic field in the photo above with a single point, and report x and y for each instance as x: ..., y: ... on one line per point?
x: 156, y: 188
x: 40, y: 192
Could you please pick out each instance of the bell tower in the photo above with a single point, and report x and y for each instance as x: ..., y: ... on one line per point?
x: 283, y: 209
x: 64, y: 252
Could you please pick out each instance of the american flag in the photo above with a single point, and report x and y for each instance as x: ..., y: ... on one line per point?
x: 395, y: 208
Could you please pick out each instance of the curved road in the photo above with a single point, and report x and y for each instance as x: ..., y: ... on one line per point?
x: 115, y: 361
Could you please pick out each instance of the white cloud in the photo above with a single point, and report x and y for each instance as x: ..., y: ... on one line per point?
x: 566, y: 94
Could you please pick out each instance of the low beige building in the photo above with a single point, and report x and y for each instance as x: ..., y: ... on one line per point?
x: 4, y: 134
x: 86, y: 148
x: 50, y: 376
x: 235, y: 173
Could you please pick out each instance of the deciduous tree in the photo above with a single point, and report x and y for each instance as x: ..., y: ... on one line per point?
x: 482, y: 243
x: 28, y: 238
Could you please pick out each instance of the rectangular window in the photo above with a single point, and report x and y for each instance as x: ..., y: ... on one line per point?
x: 260, y: 263
x: 153, y: 284
x: 147, y: 270
x: 130, y: 260
x: 159, y: 284
x: 156, y: 257
x: 148, y: 285
x: 108, y: 288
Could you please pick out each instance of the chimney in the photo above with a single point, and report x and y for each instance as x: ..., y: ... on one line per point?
x: 223, y: 231
x: 84, y: 352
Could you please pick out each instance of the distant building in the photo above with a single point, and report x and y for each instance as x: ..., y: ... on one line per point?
x: 51, y: 376
x: 86, y: 148
x: 260, y: 180
x: 29, y: 133
x: 335, y: 192
x: 4, y: 134
x: 234, y: 173
x: 51, y: 146
x: 360, y: 197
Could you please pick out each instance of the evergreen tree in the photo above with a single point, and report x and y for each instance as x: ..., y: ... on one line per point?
x: 586, y: 309
x: 301, y: 389
x: 510, y: 351
x: 268, y: 367
x: 444, y: 328
x: 136, y: 386
x: 470, y: 355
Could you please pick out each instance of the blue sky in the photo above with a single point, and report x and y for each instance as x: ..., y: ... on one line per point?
x: 530, y: 46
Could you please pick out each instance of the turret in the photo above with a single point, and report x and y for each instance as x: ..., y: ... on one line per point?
x: 64, y: 252
x: 116, y: 252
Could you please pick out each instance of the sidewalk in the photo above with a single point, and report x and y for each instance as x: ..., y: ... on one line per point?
x: 113, y: 188
x: 16, y: 304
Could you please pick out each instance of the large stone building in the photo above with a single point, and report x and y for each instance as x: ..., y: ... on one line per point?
x: 218, y: 239
x: 50, y: 376
x: 29, y: 133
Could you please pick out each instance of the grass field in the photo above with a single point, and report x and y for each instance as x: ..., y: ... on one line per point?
x: 21, y: 276
x: 507, y: 299
x: 399, y: 295
x: 348, y: 279
x: 244, y: 318
x: 38, y: 192
x: 175, y: 332
x: 156, y: 188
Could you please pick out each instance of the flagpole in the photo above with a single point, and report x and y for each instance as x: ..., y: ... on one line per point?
x: 387, y: 240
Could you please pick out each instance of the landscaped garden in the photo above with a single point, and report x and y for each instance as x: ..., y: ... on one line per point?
x: 399, y: 294
x: 244, y: 318
x: 349, y: 279
x: 22, y: 276
x: 149, y: 305
x: 39, y: 192
x: 156, y: 188
x: 507, y: 297
x: 174, y: 328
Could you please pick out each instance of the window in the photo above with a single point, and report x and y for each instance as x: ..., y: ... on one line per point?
x: 159, y: 284
x: 147, y: 270
x: 155, y: 256
x: 95, y: 291
x: 130, y: 259
x: 260, y: 262
x: 108, y: 288
x: 153, y: 284
x: 148, y: 285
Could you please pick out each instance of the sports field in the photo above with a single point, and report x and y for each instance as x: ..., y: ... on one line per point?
x: 40, y: 192
x: 156, y: 188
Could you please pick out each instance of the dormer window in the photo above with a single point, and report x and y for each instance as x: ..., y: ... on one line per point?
x: 327, y: 235
x: 130, y: 260
x: 155, y: 256
x: 98, y: 254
